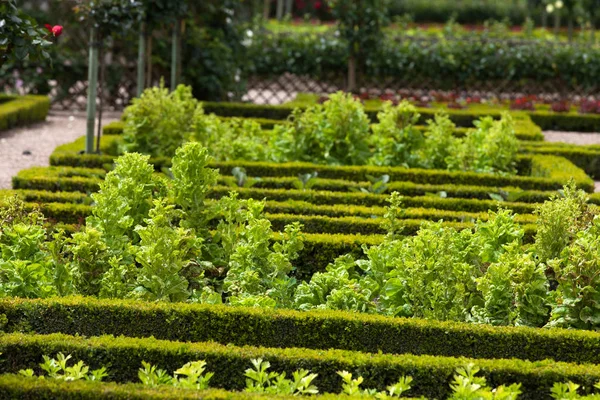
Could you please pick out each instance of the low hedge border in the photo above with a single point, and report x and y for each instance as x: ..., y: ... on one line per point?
x: 404, y: 188
x: 431, y: 374
x: 24, y: 388
x: 23, y: 110
x: 368, y: 199
x: 46, y: 200
x: 320, y: 329
x: 29, y: 179
x: 569, y: 122
x: 585, y: 157
x: 539, y: 172
x: 76, y: 213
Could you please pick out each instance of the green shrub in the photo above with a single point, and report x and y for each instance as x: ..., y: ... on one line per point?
x: 333, y: 133
x: 23, y: 110
x: 19, y: 387
x: 320, y: 329
x: 159, y: 121
x: 431, y: 374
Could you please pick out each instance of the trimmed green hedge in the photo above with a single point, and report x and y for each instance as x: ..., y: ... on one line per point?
x: 76, y: 213
x: 368, y: 199
x: 22, y: 110
x: 46, y: 200
x: 546, y: 173
x: 431, y: 374
x: 287, y: 328
x: 404, y: 188
x: 585, y: 157
x: 30, y: 179
x: 24, y: 388
x: 571, y: 121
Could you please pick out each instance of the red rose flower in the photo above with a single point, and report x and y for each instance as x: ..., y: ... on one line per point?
x: 48, y: 27
x: 318, y: 5
x: 57, y: 30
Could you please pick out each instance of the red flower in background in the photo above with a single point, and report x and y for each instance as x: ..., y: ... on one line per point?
x: 57, y: 30
x: 48, y: 27
x: 318, y: 5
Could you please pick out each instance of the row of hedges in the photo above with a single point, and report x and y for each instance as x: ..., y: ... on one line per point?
x: 321, y: 329
x: 537, y: 172
x: 585, y: 157
x: 431, y: 374
x: 76, y: 214
x: 32, y: 179
x: 22, y: 110
x: 24, y: 388
x: 336, y: 214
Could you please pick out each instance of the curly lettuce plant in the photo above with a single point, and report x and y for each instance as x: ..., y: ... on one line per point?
x: 335, y: 133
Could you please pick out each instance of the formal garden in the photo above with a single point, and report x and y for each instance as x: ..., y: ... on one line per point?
x: 275, y: 199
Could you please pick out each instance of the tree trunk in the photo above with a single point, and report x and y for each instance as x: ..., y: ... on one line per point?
x: 556, y: 22
x: 289, y: 7
x: 141, y: 59
x: 91, y: 98
x: 544, y: 19
x: 149, y: 61
x: 100, y: 96
x: 351, y: 73
x: 175, y: 46
x: 279, y: 10
x: 570, y: 26
x: 266, y: 9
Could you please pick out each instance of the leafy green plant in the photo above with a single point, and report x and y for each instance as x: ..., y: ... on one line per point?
x: 26, y: 266
x: 559, y: 220
x: 159, y: 121
x: 232, y: 139
x: 395, y: 140
x: 241, y: 179
x: 56, y: 368
x: 260, y: 380
x: 439, y: 142
x: 576, y: 272
x: 514, y: 290
x: 338, y: 288
x: 268, y: 285
x: 351, y: 387
x: 378, y: 185
x: 467, y: 386
x: 568, y: 391
x: 491, y: 147
x: 306, y: 181
x: 191, y: 375
x: 335, y: 132
x: 163, y: 252
x: 192, y: 180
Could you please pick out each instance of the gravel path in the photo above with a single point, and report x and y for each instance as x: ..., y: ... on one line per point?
x: 572, y: 137
x: 32, y: 145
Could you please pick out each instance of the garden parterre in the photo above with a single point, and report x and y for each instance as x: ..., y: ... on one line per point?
x: 349, y: 199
